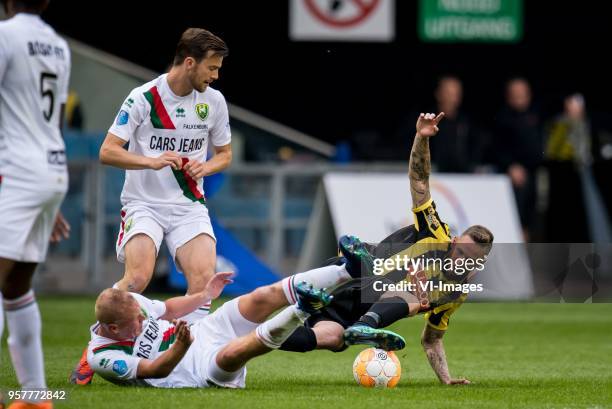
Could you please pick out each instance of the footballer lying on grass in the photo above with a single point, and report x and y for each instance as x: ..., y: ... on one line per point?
x: 362, y: 306
x: 134, y: 342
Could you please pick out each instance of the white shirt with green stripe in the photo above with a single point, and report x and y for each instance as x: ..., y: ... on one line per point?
x: 155, y: 120
x: 117, y: 361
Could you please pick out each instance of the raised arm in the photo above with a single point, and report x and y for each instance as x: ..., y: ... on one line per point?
x: 434, y: 349
x: 180, y: 306
x: 420, y: 160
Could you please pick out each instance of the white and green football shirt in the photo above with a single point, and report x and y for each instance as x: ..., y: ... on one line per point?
x: 155, y: 120
x: 117, y: 361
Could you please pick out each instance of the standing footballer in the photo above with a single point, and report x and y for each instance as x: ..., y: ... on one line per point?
x: 169, y: 123
x: 34, y: 73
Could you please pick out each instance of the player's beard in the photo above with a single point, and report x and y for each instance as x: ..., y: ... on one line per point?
x: 199, y: 86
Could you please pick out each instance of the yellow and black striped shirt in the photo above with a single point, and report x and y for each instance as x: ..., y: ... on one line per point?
x: 430, y: 239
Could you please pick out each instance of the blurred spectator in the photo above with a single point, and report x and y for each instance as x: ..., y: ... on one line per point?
x: 569, y: 139
x: 519, y: 147
x: 568, y: 151
x: 73, y: 112
x: 456, y: 147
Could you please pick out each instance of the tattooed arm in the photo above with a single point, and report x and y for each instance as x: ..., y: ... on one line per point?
x: 420, y: 160
x: 434, y: 349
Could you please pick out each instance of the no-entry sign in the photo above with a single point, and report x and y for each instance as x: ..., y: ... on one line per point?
x: 342, y: 20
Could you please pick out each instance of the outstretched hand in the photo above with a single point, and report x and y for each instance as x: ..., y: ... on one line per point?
x: 217, y: 283
x: 427, y: 124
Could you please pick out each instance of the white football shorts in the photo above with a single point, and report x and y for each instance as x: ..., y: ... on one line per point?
x: 27, y: 221
x: 177, y: 224
x: 214, y: 332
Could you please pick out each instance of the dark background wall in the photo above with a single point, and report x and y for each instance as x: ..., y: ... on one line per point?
x: 334, y: 90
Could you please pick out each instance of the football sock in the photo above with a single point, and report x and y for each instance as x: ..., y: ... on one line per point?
x: 219, y: 375
x: 198, y: 314
x: 24, y: 341
x: 301, y: 340
x: 273, y: 332
x: 323, y: 277
x: 385, y: 312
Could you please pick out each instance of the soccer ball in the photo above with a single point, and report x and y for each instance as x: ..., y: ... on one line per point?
x: 377, y: 368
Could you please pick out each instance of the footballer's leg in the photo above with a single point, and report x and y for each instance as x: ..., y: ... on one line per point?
x: 24, y: 325
x: 5, y: 267
x: 263, y: 301
x: 137, y: 246
x: 392, y: 307
x: 259, y: 304
x: 329, y: 335
x: 29, y: 222
x: 326, y: 330
x: 355, y: 262
x: 359, y: 261
x: 140, y: 236
x: 140, y: 255
x: 197, y: 259
x: 227, y: 364
x: 323, y: 335
x: 192, y: 244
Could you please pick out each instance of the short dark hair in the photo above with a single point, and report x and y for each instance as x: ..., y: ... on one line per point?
x: 480, y: 235
x: 196, y: 42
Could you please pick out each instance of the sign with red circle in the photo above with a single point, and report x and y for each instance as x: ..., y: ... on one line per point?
x: 358, y: 11
x: 344, y: 20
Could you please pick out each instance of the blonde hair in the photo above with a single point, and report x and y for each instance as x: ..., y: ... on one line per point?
x: 480, y: 235
x: 112, y: 304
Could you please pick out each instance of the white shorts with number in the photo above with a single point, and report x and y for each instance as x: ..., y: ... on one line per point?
x: 177, y: 224
x: 27, y: 219
x: 214, y: 332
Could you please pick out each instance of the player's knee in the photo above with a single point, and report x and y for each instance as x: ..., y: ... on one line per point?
x: 266, y: 295
x: 337, y: 342
x: 18, y: 281
x: 334, y: 339
x: 134, y: 282
x: 11, y: 291
x: 197, y: 277
x: 330, y: 335
x: 229, y: 358
x: 197, y: 282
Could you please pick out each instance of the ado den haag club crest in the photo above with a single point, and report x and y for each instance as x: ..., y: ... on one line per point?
x: 202, y: 111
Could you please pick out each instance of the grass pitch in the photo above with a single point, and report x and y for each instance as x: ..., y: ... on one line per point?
x: 516, y: 355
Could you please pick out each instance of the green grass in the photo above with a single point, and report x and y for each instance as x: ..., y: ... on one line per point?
x: 517, y: 355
